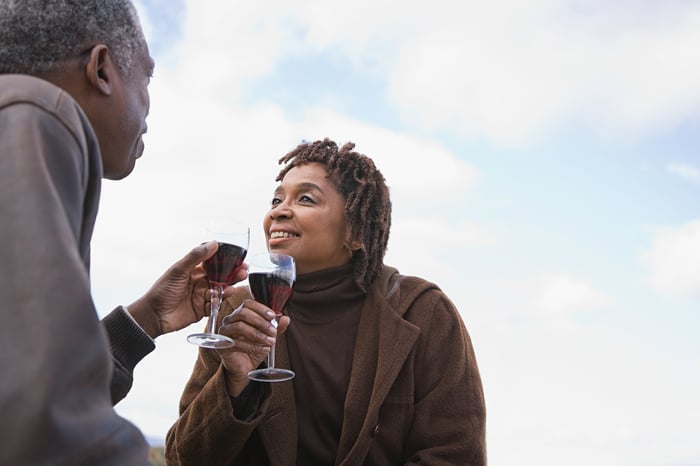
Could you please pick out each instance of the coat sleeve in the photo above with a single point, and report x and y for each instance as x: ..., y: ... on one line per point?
x: 450, y: 411
x: 129, y: 344
x: 207, y: 430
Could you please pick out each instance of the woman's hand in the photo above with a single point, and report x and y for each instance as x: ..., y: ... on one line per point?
x: 252, y: 327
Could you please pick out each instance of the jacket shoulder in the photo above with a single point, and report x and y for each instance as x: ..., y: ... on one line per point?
x: 401, y: 291
x: 17, y: 89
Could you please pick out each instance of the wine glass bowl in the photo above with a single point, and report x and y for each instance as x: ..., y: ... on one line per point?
x: 271, y: 278
x: 221, y: 269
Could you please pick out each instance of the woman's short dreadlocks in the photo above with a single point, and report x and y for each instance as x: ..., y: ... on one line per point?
x: 367, y: 202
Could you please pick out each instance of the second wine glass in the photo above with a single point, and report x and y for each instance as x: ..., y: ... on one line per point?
x: 271, y: 277
x: 221, y: 268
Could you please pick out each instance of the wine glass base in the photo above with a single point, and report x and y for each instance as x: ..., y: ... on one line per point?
x: 271, y: 375
x: 210, y: 340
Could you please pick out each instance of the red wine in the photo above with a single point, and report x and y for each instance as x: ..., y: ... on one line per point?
x: 222, y: 266
x: 270, y: 289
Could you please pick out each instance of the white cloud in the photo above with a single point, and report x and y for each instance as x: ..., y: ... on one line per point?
x: 674, y: 259
x: 579, y: 398
x: 561, y: 294
x: 505, y: 71
x: 686, y: 171
x: 508, y: 72
x: 417, y: 170
x: 436, y: 247
x: 511, y: 75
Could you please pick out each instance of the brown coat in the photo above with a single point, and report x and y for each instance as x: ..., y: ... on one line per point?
x: 415, y: 394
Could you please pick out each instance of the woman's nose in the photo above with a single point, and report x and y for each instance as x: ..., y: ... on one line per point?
x: 281, y: 211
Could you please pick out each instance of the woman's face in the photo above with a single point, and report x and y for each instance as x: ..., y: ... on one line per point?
x: 307, y: 221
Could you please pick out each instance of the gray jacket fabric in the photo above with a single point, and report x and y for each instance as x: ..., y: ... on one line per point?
x: 54, y: 354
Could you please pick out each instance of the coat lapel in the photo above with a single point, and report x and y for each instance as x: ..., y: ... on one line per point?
x: 384, y: 341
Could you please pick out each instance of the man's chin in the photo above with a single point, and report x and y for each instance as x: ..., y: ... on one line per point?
x: 121, y: 173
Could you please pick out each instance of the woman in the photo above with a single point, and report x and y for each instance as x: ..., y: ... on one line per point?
x: 385, y: 369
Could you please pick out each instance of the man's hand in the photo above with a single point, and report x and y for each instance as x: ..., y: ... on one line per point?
x: 180, y: 296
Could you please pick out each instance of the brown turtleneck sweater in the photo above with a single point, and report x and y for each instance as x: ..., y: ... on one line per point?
x: 325, y: 313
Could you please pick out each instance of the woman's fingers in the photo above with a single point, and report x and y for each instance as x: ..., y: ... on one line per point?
x: 252, y: 350
x: 250, y: 322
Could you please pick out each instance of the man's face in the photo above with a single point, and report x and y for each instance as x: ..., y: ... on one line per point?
x: 125, y: 120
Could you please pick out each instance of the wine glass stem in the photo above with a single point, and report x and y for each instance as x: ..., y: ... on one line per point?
x: 271, y: 357
x: 216, y: 295
x: 271, y: 354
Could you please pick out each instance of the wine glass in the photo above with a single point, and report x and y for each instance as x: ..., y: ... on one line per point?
x: 233, y: 238
x: 271, y: 277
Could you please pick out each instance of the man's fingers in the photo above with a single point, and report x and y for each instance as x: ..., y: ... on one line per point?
x: 198, y: 254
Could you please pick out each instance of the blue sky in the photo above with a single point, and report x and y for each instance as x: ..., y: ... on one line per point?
x: 544, y: 167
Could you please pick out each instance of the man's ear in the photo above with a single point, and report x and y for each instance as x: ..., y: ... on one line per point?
x: 100, y: 70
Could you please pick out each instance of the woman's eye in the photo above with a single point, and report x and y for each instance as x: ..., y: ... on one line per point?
x: 276, y: 201
x: 305, y: 198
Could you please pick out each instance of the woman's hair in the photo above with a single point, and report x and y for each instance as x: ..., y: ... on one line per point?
x: 367, y: 202
x: 35, y: 35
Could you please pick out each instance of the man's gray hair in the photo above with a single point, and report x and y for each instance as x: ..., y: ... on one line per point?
x: 35, y: 35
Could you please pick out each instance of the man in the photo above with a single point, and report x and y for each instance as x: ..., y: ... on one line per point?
x: 73, y: 104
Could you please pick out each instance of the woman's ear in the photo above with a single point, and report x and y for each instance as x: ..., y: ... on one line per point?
x: 353, y: 245
x: 100, y: 70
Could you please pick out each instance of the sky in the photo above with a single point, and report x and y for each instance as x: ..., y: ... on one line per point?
x: 543, y: 163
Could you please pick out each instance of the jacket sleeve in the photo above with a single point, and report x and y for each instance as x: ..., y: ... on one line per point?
x: 450, y: 411
x: 208, y: 431
x: 129, y: 345
x: 54, y: 355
